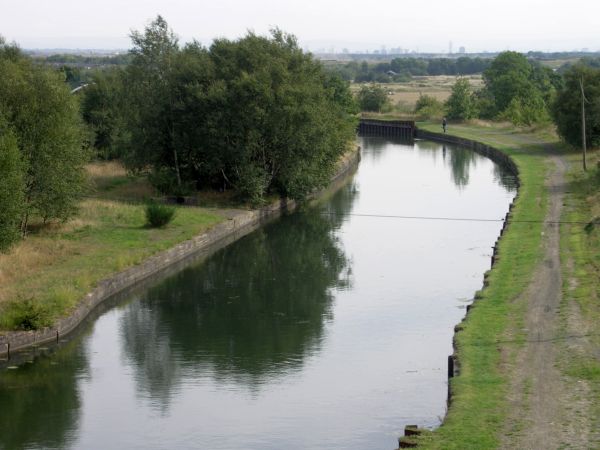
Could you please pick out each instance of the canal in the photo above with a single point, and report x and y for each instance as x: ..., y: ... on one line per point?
x: 326, y: 329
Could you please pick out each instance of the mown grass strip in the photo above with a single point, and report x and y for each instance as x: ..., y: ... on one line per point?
x: 479, y: 406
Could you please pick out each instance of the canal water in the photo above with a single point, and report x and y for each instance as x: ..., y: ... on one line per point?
x: 327, y: 329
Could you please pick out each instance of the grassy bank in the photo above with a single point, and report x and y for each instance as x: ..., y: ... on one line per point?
x: 580, y: 259
x: 43, y: 277
x: 494, y: 327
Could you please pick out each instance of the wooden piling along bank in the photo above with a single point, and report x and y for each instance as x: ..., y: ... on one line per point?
x: 404, y: 129
x: 407, y: 129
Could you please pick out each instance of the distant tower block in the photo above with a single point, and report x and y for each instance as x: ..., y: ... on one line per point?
x: 462, y: 50
x: 450, y: 47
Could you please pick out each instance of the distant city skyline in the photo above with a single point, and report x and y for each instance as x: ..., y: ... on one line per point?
x: 424, y: 26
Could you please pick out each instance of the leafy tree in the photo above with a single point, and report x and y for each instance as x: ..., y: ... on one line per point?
x: 256, y: 114
x: 519, y: 91
x: 508, y: 77
x: 45, y: 120
x: 461, y: 104
x: 104, y: 109
x: 372, y: 98
x: 567, y: 107
x: 11, y: 186
x: 150, y: 82
x: 280, y: 125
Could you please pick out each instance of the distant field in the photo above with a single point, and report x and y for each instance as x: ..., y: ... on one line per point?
x: 405, y: 95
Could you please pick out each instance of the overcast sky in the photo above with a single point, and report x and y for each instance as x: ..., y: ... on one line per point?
x: 424, y: 25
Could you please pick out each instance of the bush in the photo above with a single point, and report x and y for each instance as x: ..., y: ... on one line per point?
x: 372, y: 98
x: 526, y: 112
x: 461, y: 105
x: 158, y: 215
x: 25, y: 314
x: 429, y: 107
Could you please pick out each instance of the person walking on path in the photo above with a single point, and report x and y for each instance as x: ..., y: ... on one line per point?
x: 444, y: 123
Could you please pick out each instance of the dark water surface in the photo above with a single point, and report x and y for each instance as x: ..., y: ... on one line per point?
x: 322, y: 330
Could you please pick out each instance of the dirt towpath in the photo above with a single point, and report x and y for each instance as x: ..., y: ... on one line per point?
x: 545, y: 407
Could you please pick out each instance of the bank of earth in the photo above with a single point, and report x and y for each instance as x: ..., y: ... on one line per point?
x: 529, y: 348
x: 59, y: 276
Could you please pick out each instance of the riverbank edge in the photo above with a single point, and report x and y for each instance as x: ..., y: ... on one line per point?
x: 503, y: 159
x: 241, y: 224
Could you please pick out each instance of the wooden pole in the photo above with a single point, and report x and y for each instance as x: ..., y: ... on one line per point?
x: 583, y: 140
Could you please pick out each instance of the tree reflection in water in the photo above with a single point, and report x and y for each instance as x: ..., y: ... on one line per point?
x: 250, y: 313
x: 40, y: 403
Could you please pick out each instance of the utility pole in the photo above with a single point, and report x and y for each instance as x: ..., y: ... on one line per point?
x: 583, y: 122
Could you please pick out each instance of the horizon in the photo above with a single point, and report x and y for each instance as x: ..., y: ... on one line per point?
x: 534, y: 25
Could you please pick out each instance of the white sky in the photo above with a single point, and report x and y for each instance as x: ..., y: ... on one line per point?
x: 425, y: 25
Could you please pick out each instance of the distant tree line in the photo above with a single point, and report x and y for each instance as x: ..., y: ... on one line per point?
x: 257, y: 115
x: 402, y: 69
x: 526, y: 93
x: 87, y: 60
x: 41, y: 145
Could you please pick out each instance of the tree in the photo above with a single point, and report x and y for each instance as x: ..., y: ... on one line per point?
x: 45, y: 120
x: 508, y: 77
x: 150, y: 83
x: 372, y: 98
x: 519, y: 91
x: 104, y: 108
x: 11, y: 186
x: 280, y: 123
x: 567, y: 107
x: 256, y: 114
x: 461, y: 104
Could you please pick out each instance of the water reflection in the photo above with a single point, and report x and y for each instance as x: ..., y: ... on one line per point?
x: 241, y: 351
x: 461, y: 162
x: 251, y: 312
x: 40, y: 402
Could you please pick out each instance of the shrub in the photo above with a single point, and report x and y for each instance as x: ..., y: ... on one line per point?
x: 461, y: 105
x: 159, y: 215
x: 372, y: 98
x: 25, y: 314
x: 429, y: 107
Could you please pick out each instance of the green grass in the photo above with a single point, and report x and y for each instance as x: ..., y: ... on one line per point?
x: 493, y: 328
x: 580, y: 252
x: 45, y: 276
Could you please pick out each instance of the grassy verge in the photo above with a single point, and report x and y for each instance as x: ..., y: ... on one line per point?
x: 494, y: 326
x: 43, y: 277
x: 580, y: 252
